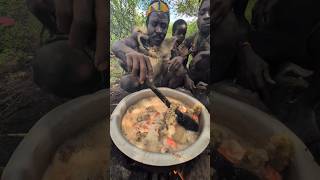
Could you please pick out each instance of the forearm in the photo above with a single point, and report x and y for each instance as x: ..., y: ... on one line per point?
x: 120, y: 50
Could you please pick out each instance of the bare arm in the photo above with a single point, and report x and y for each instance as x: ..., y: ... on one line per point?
x: 131, y: 60
x: 122, y: 47
x: 185, y: 47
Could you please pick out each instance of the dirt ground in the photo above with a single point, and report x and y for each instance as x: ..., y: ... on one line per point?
x: 22, y: 104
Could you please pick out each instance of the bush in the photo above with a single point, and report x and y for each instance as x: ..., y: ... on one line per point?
x: 20, y: 40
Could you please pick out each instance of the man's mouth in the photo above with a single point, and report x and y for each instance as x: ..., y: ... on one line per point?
x: 206, y: 25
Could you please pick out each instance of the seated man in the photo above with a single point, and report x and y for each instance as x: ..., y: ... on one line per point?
x: 233, y: 56
x: 146, y: 56
x: 198, y: 46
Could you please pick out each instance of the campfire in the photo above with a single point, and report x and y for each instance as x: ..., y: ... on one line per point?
x: 141, y: 171
x: 178, y: 174
x: 178, y: 163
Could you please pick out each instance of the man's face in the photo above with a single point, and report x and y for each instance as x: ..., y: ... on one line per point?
x: 220, y: 9
x: 157, y: 27
x: 180, y: 33
x: 204, y: 17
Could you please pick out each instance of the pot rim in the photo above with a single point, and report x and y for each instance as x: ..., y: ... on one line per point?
x: 303, y: 165
x: 152, y: 158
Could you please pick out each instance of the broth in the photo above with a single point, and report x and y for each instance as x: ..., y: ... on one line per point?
x: 151, y: 126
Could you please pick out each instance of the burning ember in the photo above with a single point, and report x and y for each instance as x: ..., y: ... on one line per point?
x: 233, y: 158
x: 180, y: 175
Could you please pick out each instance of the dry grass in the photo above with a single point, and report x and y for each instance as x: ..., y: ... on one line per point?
x: 115, y: 71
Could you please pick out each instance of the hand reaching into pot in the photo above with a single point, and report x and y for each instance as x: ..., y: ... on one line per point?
x: 139, y: 65
x: 176, y: 63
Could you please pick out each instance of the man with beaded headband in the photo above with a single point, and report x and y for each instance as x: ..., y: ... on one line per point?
x: 136, y: 53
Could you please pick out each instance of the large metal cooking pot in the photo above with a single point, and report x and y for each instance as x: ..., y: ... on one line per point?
x: 33, y: 155
x: 158, y: 159
x: 257, y: 126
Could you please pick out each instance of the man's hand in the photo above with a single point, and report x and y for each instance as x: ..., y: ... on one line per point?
x: 292, y: 75
x: 79, y: 19
x: 175, y: 63
x: 201, y: 61
x: 255, y: 73
x: 139, y: 65
x: 189, y: 84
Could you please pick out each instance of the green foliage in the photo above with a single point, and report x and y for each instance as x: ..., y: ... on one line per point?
x: 182, y: 7
x: 20, y: 40
x: 187, y: 7
x: 116, y: 71
x: 192, y: 28
x: 248, y: 13
x: 123, y: 17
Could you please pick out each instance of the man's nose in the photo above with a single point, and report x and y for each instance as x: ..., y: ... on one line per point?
x: 206, y: 16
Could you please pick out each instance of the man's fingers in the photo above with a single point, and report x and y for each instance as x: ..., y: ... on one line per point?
x: 135, y: 66
x: 143, y: 70
x: 129, y: 63
x: 101, y: 32
x: 170, y: 67
x: 83, y: 23
x: 267, y: 76
x: 150, y: 69
x: 177, y: 65
x: 64, y: 14
x: 301, y: 71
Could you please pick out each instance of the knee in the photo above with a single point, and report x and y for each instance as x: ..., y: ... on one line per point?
x: 201, y: 61
x: 176, y: 82
x: 130, y: 83
x: 59, y: 69
x: 83, y: 72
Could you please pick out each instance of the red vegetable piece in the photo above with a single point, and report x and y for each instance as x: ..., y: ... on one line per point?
x: 6, y: 21
x: 171, y: 142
